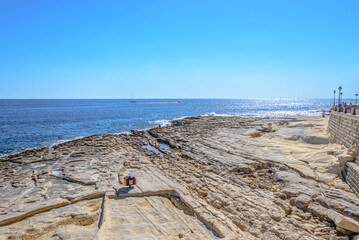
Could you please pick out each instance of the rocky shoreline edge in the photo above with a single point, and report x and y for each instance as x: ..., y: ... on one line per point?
x: 232, y: 177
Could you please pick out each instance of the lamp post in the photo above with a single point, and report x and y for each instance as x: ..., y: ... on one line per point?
x: 341, y: 98
x: 334, y: 97
x: 340, y: 88
x: 356, y: 99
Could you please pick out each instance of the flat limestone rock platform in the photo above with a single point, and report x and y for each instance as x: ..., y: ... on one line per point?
x: 149, y: 181
x: 153, y: 217
x: 78, y: 221
x: 239, y: 177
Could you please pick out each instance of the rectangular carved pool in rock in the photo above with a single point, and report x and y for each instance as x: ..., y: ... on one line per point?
x: 77, y: 221
x: 151, y: 217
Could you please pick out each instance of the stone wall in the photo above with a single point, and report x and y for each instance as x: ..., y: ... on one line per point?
x: 344, y: 129
x: 353, y: 176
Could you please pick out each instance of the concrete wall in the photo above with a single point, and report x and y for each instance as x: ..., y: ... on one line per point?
x: 344, y: 129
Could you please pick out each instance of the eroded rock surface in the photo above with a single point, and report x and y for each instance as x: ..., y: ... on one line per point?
x: 236, y: 178
x: 152, y: 216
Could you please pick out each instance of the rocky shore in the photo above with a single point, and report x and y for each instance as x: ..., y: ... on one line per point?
x: 200, y: 178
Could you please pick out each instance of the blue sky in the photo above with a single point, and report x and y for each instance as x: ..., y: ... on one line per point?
x: 178, y: 49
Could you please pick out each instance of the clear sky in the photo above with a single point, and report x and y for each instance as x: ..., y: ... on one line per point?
x: 178, y: 49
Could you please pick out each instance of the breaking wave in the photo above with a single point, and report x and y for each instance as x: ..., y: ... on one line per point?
x: 162, y: 123
x: 65, y: 140
x: 220, y: 114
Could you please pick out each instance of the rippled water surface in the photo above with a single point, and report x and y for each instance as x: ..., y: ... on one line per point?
x: 27, y: 124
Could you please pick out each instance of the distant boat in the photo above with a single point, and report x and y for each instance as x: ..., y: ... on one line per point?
x: 132, y: 101
x: 178, y: 102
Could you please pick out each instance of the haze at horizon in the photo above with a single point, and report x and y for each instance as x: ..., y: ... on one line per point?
x: 178, y: 49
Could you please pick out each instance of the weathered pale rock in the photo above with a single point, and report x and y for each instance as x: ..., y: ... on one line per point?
x: 302, y: 201
x: 339, y: 238
x: 155, y: 216
x: 77, y: 221
x: 240, y: 180
x: 343, y: 221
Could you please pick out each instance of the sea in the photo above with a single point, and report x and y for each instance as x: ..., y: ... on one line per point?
x: 31, y: 124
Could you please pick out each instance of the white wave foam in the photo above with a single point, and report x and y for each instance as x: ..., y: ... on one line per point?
x: 166, y: 122
x: 64, y: 141
x: 220, y: 114
x: 180, y: 118
x: 162, y: 123
x: 124, y: 132
x: 12, y: 153
x: 129, y: 132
